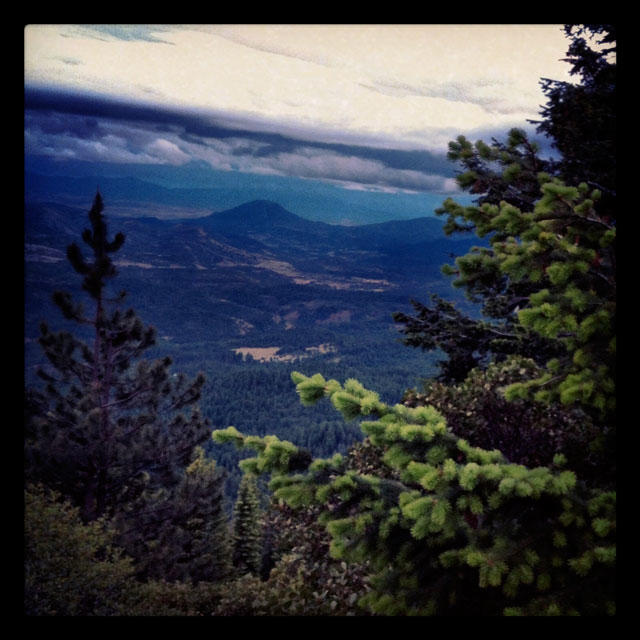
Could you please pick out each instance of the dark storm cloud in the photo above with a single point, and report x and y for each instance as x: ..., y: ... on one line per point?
x: 193, y: 126
x: 54, y: 101
x: 72, y: 124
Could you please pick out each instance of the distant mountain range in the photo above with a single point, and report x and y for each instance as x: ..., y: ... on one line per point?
x: 249, y: 294
x: 195, y: 189
x: 260, y: 235
x: 253, y: 277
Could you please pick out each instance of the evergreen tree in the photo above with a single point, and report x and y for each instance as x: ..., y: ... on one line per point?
x: 111, y: 431
x: 565, y: 248
x: 247, y: 527
x: 499, y: 173
x: 190, y: 542
x: 581, y: 122
x: 469, y: 343
x: 528, y: 433
x: 303, y: 581
x: 451, y: 526
x: 444, y: 527
x: 581, y: 118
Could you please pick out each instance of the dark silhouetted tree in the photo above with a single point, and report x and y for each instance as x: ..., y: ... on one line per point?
x: 580, y: 117
x: 112, y: 431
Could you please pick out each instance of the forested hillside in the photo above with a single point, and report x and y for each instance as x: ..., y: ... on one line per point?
x: 245, y: 415
x: 261, y: 291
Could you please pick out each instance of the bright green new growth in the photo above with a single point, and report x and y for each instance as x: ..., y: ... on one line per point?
x: 481, y: 529
x: 566, y: 247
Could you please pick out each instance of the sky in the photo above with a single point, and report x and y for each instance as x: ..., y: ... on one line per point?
x: 366, y: 108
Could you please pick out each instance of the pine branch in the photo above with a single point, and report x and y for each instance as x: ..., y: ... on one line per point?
x: 131, y: 396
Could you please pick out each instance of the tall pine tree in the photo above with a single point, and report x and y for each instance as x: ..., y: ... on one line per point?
x: 111, y: 431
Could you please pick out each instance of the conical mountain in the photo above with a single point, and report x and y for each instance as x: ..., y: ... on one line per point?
x: 256, y: 216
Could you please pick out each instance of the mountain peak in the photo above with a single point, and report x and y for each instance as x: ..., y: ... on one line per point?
x: 263, y: 207
x: 263, y: 203
x: 258, y: 215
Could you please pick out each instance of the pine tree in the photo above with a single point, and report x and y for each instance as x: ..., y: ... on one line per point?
x: 564, y: 247
x: 528, y: 433
x: 190, y: 541
x: 111, y: 431
x: 498, y: 173
x: 469, y: 343
x: 247, y: 527
x: 449, y: 527
x: 303, y: 580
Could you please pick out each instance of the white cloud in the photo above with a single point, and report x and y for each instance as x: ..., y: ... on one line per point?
x: 126, y: 142
x: 167, y: 152
x: 319, y: 164
x: 108, y: 142
x: 404, y: 83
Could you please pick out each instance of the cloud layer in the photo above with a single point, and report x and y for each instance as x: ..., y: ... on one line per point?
x: 366, y: 107
x: 72, y: 127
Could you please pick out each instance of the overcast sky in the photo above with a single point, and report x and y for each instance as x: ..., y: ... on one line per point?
x: 363, y: 107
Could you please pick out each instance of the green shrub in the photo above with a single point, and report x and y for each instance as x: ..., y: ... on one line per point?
x: 71, y: 568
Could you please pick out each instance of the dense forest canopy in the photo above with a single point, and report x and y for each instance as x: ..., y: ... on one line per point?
x: 490, y: 490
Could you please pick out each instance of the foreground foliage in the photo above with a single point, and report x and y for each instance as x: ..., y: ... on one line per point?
x: 566, y: 249
x: 456, y: 529
x: 526, y: 432
x: 71, y: 568
x: 547, y: 280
